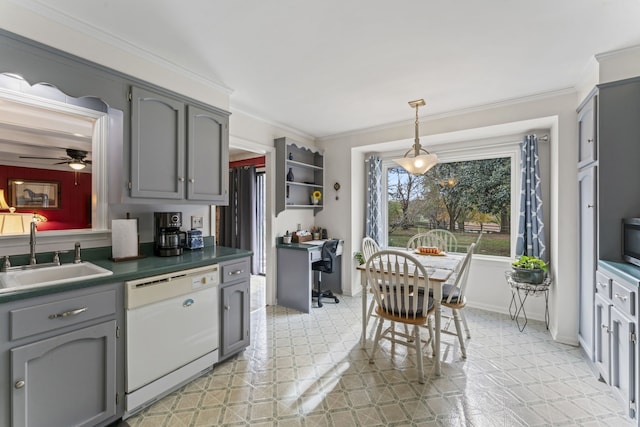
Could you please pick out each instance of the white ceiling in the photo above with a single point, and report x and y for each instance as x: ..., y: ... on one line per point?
x: 334, y: 66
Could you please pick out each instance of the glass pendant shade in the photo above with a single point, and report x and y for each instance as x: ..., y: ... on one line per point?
x: 419, y: 163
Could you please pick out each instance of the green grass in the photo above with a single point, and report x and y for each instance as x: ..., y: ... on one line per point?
x: 490, y: 244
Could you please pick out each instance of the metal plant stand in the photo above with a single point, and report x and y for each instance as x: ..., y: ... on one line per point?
x: 520, y: 291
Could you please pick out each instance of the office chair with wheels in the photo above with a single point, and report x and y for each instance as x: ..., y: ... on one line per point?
x: 325, y: 265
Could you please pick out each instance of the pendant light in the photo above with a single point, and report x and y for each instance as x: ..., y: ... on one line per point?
x: 419, y: 163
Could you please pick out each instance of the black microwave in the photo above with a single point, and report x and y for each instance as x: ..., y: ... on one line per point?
x: 631, y: 240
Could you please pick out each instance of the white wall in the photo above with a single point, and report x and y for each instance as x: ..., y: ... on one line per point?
x: 249, y: 133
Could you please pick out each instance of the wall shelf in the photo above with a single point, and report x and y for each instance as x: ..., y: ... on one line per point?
x: 307, y: 166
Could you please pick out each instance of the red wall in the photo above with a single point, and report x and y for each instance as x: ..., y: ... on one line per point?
x: 254, y: 161
x: 75, y: 200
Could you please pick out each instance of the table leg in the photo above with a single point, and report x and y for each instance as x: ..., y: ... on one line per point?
x: 363, y: 283
x: 437, y: 297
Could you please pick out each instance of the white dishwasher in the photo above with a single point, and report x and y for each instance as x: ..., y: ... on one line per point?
x: 172, y: 332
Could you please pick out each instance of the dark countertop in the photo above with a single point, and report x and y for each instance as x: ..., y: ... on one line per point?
x: 150, y: 265
x: 627, y: 271
x: 297, y: 246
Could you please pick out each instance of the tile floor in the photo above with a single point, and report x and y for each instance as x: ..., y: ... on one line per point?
x: 309, y: 370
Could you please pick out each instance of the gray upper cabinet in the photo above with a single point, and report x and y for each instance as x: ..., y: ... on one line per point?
x: 157, y: 146
x: 587, y: 132
x: 178, y: 151
x: 208, y: 150
x: 618, y: 155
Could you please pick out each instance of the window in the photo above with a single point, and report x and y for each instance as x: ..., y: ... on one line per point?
x: 473, y: 197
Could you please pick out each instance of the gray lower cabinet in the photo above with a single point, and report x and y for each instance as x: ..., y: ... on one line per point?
x: 67, y: 380
x: 235, y: 328
x: 61, y: 359
x: 616, y: 347
x: 178, y: 151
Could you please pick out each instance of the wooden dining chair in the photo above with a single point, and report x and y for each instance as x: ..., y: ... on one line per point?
x: 426, y: 239
x: 453, y: 298
x: 369, y: 247
x: 450, y: 240
x: 396, y: 278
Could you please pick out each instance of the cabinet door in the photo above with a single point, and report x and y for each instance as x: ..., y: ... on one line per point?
x: 67, y: 380
x: 623, y: 359
x: 587, y: 133
x: 602, y: 343
x: 157, y: 146
x: 236, y: 328
x: 208, y: 156
x: 587, y: 259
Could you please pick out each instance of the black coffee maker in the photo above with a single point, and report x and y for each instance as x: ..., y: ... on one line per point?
x: 168, y: 239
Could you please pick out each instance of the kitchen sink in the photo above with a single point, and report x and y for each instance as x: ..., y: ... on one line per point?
x: 46, y: 276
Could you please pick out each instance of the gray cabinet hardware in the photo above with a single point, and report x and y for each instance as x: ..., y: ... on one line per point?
x: 68, y: 313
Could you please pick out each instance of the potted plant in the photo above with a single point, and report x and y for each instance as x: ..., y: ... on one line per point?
x: 529, y: 269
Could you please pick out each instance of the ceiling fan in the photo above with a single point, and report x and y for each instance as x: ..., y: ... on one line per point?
x: 76, y: 159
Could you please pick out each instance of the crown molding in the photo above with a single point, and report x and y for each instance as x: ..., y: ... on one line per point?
x: 454, y: 113
x: 282, y: 126
x: 617, y: 52
x: 43, y: 9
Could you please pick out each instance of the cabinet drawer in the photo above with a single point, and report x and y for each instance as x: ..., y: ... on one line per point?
x: 50, y: 316
x: 624, y: 299
x: 603, y: 285
x: 235, y: 270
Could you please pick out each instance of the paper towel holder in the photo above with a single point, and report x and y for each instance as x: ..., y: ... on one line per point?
x: 133, y: 257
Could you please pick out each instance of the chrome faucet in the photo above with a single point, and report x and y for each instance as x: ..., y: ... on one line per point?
x: 32, y: 244
x: 76, y: 259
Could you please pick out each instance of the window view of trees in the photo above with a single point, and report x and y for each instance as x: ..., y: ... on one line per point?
x: 472, y: 199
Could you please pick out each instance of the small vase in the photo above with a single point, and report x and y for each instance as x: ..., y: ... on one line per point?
x: 290, y: 175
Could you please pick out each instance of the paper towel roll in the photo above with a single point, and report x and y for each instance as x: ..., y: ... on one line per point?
x: 124, y: 238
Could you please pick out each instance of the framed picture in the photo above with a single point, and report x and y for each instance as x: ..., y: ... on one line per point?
x: 25, y: 194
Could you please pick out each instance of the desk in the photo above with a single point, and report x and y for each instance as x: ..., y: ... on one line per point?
x: 295, y: 278
x: 439, y: 269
